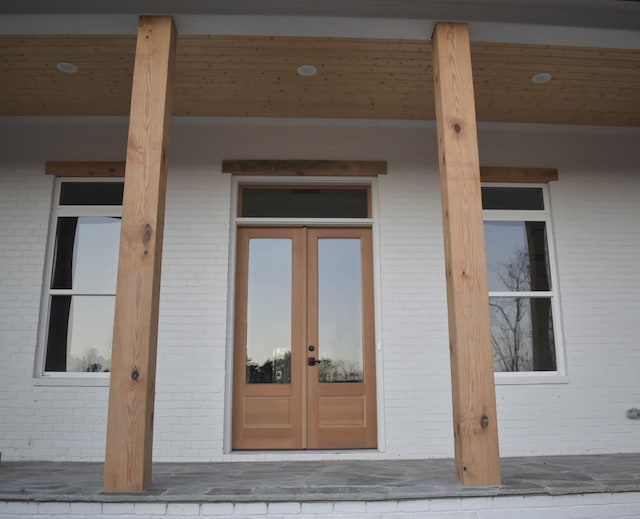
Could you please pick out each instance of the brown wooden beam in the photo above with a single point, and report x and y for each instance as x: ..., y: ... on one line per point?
x: 133, y: 359
x: 298, y: 167
x: 475, y: 423
x: 507, y: 174
x: 346, y: 168
x: 85, y: 169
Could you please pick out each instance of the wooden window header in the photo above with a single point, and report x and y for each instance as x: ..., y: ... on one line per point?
x: 85, y: 169
x: 506, y: 174
x: 302, y: 168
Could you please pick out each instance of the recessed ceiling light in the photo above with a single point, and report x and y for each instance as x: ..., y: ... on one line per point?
x: 67, y: 67
x: 307, y: 70
x: 541, y: 77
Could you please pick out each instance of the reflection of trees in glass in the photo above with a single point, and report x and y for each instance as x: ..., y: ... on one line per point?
x: 340, y: 371
x: 509, y: 330
x: 90, y: 362
x: 510, y: 334
x: 276, y: 370
x: 522, y: 327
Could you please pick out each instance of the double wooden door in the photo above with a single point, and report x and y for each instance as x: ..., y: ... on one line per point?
x: 304, y: 359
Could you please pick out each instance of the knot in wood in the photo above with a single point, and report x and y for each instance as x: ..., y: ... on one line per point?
x: 146, y: 236
x: 484, y: 422
x: 134, y: 374
x: 457, y: 128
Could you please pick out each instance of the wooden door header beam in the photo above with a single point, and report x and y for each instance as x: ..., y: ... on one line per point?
x: 301, y: 168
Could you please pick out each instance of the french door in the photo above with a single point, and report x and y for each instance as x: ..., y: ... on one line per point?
x: 304, y: 356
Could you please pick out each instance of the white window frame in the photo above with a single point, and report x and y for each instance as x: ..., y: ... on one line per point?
x: 42, y: 377
x: 544, y: 215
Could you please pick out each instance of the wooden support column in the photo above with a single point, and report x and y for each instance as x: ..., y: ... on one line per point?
x: 473, y: 389
x: 133, y: 359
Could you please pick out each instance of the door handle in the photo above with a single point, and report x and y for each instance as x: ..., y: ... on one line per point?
x: 312, y: 361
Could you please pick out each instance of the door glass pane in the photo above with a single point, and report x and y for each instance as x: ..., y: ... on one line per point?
x: 522, y: 334
x: 340, y: 310
x: 517, y: 256
x: 287, y: 202
x: 269, y: 311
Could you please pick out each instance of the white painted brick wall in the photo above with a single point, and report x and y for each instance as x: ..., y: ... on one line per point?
x: 581, y: 506
x: 596, y: 217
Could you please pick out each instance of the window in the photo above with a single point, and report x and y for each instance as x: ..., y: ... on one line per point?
x: 311, y: 201
x: 81, y: 277
x: 522, y: 290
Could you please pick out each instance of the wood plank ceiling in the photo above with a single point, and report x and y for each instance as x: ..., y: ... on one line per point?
x: 357, y: 78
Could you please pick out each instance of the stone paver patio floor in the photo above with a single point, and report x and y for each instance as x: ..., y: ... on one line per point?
x: 305, y: 481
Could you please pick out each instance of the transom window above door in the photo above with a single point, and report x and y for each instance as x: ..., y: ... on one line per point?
x: 304, y: 201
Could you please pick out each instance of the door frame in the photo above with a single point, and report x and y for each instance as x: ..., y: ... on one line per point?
x: 235, y: 222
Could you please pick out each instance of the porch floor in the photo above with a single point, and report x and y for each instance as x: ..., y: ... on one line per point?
x: 305, y: 481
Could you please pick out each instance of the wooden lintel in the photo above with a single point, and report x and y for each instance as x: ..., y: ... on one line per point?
x: 475, y: 424
x: 304, y: 168
x: 133, y: 358
x: 508, y: 174
x: 85, y: 169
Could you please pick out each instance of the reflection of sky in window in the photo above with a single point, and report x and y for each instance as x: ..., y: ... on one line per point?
x: 95, y: 266
x: 269, y: 299
x: 503, y: 241
x: 95, y: 254
x: 340, y: 300
x: 90, y: 332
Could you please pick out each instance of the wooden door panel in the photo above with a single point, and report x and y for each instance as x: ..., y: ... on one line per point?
x: 341, y: 414
x: 268, y: 415
x: 335, y: 408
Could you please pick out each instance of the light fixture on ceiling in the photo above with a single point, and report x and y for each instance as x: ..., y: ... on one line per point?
x: 541, y: 77
x: 67, y: 67
x: 307, y: 70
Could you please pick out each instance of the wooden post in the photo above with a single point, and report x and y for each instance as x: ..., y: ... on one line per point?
x: 473, y: 389
x: 133, y: 359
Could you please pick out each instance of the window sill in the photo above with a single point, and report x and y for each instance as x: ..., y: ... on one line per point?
x: 530, y: 377
x: 71, y: 381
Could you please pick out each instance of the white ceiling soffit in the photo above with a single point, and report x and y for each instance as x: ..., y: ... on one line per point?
x: 604, y: 14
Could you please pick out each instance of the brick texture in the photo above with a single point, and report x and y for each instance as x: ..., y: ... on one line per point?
x: 597, y: 242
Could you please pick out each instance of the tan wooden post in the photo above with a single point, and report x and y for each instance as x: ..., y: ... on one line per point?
x: 473, y: 389
x: 133, y: 359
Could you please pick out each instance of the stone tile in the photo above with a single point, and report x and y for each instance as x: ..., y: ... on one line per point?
x: 317, y: 481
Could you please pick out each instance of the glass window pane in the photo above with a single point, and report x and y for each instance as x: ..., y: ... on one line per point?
x: 517, y: 256
x: 91, y: 193
x: 80, y: 334
x: 522, y: 334
x: 304, y: 203
x: 86, y: 253
x: 523, y: 198
x: 269, y: 311
x: 340, y: 310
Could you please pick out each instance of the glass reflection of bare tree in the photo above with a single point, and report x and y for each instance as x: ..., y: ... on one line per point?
x: 522, y: 327
x: 340, y: 371
x: 510, y: 333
